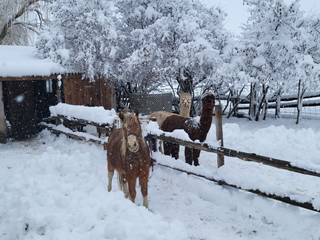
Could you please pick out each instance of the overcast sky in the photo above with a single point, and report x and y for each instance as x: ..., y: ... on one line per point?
x: 237, y: 13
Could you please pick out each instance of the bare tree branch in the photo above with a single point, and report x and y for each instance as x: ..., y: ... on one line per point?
x: 15, y: 16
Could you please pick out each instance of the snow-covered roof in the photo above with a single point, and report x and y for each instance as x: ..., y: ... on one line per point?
x: 21, y: 61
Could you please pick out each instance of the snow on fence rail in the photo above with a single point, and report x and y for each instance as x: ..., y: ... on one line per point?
x: 96, y: 115
x: 72, y: 112
x: 76, y: 116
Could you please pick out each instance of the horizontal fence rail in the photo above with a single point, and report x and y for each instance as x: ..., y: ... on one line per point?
x: 250, y: 157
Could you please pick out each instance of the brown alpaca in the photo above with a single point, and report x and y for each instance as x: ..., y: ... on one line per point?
x: 196, y: 131
x: 128, y: 154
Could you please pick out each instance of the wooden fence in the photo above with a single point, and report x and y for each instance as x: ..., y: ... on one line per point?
x: 220, y: 151
x: 288, y: 101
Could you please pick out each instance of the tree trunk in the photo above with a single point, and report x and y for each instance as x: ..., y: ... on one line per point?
x: 301, y: 91
x: 265, y: 109
x: 278, y: 104
x: 253, y: 104
x: 235, y: 99
x: 261, y: 102
x: 24, y: 8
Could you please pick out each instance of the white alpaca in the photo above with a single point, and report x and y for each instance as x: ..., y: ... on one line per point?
x: 185, y: 106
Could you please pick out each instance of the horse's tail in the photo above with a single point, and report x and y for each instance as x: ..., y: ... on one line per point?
x: 123, y: 185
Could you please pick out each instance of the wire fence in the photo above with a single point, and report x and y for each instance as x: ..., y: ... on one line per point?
x: 310, y: 112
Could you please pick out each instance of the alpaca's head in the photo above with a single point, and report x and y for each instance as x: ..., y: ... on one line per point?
x: 208, y: 100
x: 185, y: 100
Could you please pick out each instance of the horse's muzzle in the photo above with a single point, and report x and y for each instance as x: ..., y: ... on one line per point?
x: 133, y: 143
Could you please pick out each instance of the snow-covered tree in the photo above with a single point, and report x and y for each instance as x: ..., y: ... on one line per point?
x: 20, y: 19
x: 186, y: 36
x: 270, y: 39
x: 82, y: 37
x: 233, y: 77
x: 140, y: 43
x: 308, y: 73
x: 140, y: 60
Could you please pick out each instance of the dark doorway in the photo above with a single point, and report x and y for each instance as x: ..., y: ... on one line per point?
x: 26, y: 104
x: 45, y: 95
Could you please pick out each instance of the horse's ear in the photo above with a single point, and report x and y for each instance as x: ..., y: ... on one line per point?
x: 136, y: 112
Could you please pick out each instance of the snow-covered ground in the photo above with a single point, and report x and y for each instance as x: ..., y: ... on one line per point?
x: 56, y: 188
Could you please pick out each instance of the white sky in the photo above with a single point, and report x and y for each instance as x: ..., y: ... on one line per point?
x: 237, y: 13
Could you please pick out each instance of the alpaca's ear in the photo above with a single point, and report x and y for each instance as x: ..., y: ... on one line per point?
x: 136, y: 112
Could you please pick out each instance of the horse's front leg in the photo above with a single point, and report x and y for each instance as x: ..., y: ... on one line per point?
x: 143, y: 181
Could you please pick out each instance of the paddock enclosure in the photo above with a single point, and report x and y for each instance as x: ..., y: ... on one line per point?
x: 302, y: 202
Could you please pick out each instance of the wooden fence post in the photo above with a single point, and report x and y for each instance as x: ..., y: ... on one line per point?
x: 3, y: 125
x: 219, y: 133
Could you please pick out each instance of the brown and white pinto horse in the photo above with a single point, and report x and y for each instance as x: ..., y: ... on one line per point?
x: 128, y: 154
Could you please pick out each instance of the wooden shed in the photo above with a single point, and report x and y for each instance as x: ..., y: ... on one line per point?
x: 29, y: 85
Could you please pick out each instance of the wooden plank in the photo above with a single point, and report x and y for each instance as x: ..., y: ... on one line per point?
x: 219, y: 133
x: 3, y: 125
x: 95, y: 94
x: 67, y: 90
x: 76, y: 137
x: 109, y: 95
x: 86, y: 92
x: 310, y: 103
x: 250, y: 157
x: 74, y: 92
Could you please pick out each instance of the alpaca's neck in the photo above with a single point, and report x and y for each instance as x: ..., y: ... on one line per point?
x: 205, y: 123
x: 185, y: 112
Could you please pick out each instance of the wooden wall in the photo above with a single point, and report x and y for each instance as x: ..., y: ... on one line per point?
x: 79, y: 91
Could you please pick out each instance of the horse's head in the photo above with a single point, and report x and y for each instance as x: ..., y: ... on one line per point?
x: 208, y: 100
x: 132, y: 129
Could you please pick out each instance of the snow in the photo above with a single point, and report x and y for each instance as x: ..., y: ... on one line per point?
x: 20, y: 61
x: 92, y: 114
x: 259, y: 62
x: 56, y: 188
